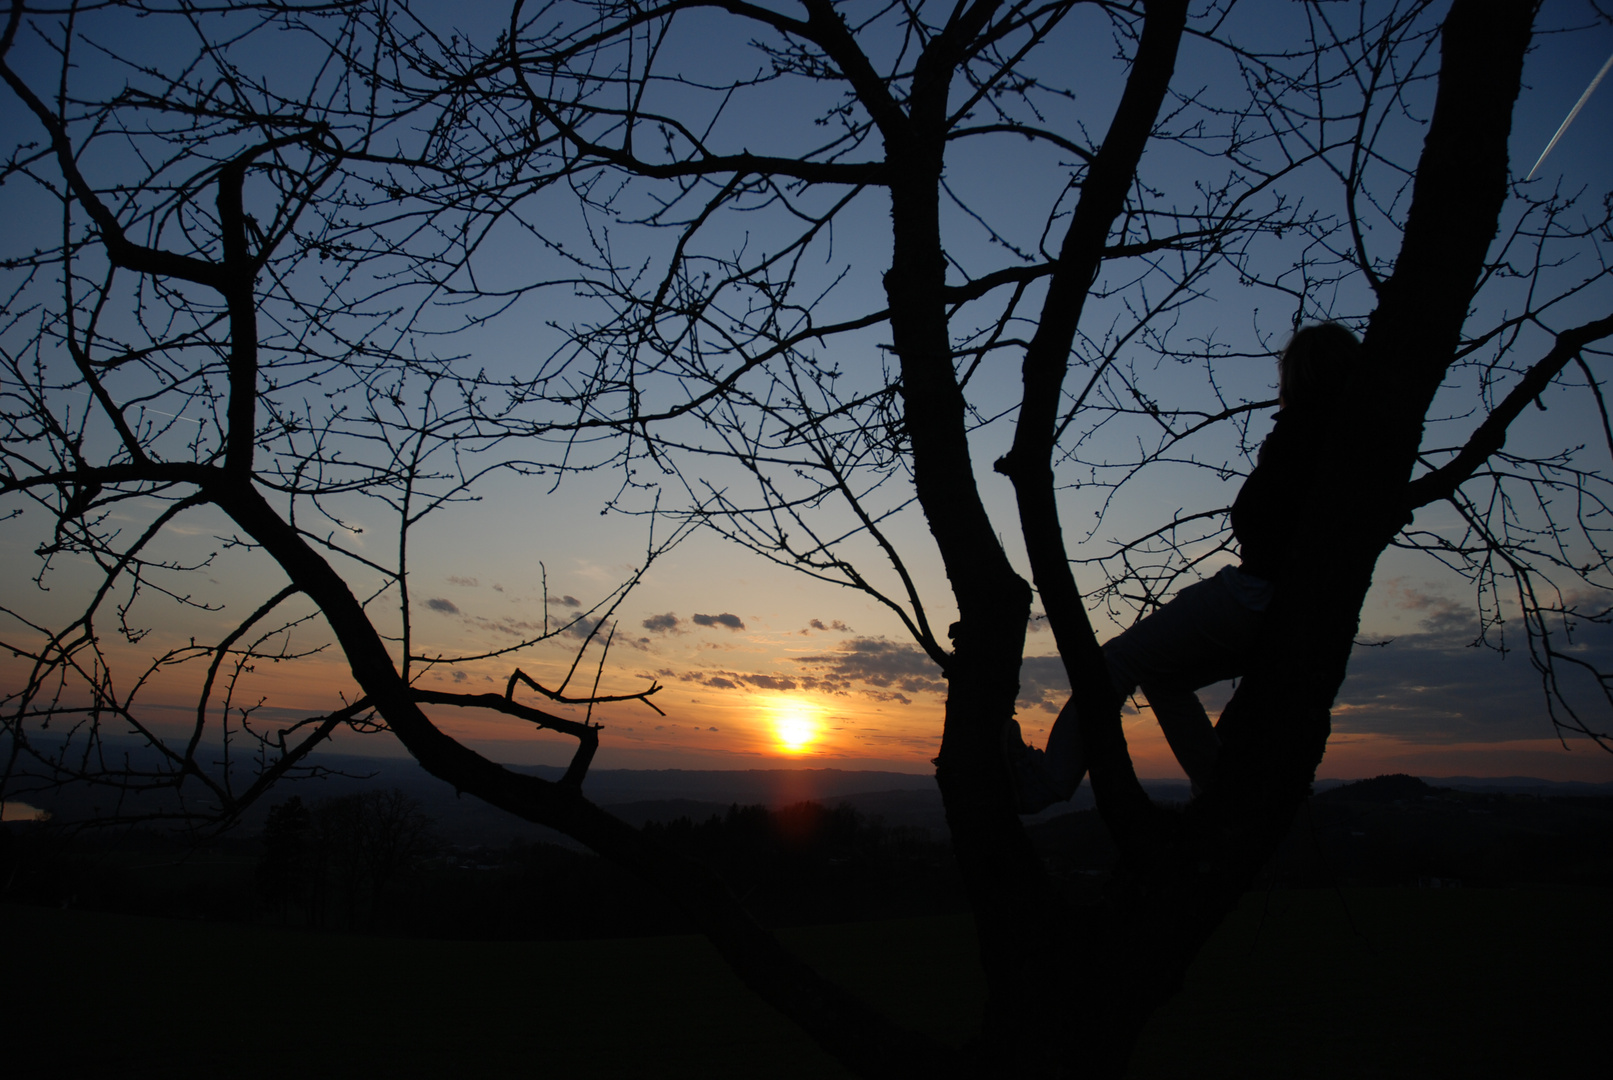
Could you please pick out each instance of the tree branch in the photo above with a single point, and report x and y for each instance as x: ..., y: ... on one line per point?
x: 1029, y: 463
x: 1491, y: 435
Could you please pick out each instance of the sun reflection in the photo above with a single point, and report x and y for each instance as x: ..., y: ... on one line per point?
x: 796, y: 726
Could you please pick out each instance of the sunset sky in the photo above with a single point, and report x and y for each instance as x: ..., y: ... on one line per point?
x: 762, y: 667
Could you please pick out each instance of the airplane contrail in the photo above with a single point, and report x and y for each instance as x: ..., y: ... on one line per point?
x: 1578, y: 105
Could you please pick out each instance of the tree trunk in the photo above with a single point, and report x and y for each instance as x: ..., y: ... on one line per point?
x: 1164, y: 902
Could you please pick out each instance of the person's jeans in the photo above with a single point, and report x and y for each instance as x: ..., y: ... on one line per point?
x: 1202, y: 636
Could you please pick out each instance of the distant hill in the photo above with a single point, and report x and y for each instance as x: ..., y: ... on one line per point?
x: 1397, y: 787
x: 1519, y: 785
x: 1406, y: 830
x: 907, y: 800
x: 864, y: 851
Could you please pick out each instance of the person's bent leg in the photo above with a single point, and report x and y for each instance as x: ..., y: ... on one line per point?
x: 1044, y: 777
x: 1202, y: 636
x: 1187, y: 729
x: 1036, y: 780
x: 1066, y: 761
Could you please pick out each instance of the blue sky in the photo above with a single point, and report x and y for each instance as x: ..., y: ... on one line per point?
x: 745, y: 649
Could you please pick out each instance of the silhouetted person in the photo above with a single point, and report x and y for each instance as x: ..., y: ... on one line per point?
x: 1204, y: 635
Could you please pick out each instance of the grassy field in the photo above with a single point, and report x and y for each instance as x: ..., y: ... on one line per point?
x: 1387, y: 983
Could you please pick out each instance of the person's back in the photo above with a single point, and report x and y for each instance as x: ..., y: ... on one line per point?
x: 1314, y: 375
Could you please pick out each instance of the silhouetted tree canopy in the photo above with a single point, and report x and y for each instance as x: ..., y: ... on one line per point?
x: 241, y: 261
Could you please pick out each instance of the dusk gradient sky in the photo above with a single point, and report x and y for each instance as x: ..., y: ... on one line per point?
x: 762, y: 667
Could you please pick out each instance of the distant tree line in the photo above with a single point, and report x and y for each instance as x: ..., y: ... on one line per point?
x: 1399, y: 831
x: 809, y: 863
x: 372, y: 862
x: 339, y: 860
x: 1396, y: 831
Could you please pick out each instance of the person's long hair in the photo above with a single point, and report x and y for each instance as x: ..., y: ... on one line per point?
x: 1316, y: 365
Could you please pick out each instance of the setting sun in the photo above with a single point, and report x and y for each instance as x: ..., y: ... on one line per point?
x: 796, y: 726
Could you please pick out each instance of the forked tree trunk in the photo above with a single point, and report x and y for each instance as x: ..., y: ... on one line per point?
x: 1071, y: 987
x: 1086, y: 979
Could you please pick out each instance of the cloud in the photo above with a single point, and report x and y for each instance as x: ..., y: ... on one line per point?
x: 1443, y: 686
x: 882, y: 669
x: 1438, y: 687
x: 837, y: 625
x: 725, y: 619
x: 660, y: 624
x: 564, y: 601
x: 1042, y: 683
x: 447, y: 607
x: 516, y: 628
x: 769, y: 682
x: 581, y: 629
x: 1440, y: 614
x: 733, y: 680
x: 467, y: 582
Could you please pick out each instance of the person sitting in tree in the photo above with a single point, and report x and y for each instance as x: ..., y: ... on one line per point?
x: 1206, y: 633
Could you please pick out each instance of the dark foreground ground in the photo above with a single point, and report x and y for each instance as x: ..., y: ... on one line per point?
x: 1368, y: 983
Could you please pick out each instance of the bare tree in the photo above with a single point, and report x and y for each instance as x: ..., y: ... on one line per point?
x: 269, y: 265
x: 227, y: 325
x: 1356, y: 171
x: 808, y: 422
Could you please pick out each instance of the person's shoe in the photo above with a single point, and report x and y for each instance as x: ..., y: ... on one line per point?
x: 1035, y: 787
